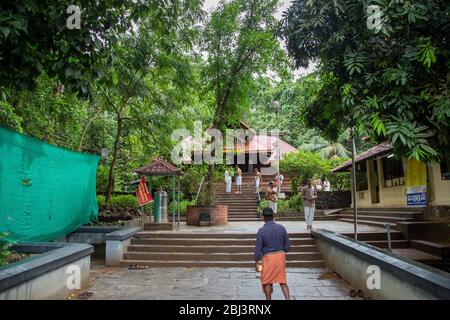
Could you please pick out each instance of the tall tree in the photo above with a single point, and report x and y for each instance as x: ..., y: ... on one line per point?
x: 327, y: 149
x: 387, y: 74
x: 240, y: 42
x: 148, y: 70
x: 42, y: 35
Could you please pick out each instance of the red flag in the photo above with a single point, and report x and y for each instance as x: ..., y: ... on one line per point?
x: 142, y: 193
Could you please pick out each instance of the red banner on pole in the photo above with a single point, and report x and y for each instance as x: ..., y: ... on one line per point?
x: 144, y: 197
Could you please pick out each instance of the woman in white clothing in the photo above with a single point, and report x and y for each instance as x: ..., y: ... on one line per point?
x: 258, y: 180
x: 228, y: 182
x: 238, y: 179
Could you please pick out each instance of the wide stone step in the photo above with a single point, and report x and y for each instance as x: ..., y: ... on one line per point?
x: 413, y: 215
x: 211, y: 235
x: 212, y: 249
x: 370, y: 223
x: 377, y: 218
x: 218, y: 264
x: 190, y: 256
x: 434, y: 248
x: 210, y: 242
x: 395, y: 244
x: 376, y: 236
x: 404, y: 210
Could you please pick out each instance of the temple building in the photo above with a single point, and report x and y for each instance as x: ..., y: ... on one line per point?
x: 382, y: 180
x: 254, y: 150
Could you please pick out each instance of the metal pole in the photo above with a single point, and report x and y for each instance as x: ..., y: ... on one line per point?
x: 173, y: 202
x: 355, y: 208
x: 388, y: 230
x: 142, y: 212
x: 278, y: 148
x: 179, y: 199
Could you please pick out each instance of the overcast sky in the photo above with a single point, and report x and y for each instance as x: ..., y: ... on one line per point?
x: 284, y: 4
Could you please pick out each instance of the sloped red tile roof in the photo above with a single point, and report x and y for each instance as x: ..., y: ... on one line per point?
x: 159, y: 167
x: 379, y: 150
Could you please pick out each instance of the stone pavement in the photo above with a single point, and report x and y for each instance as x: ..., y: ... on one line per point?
x: 291, y: 226
x: 210, y: 284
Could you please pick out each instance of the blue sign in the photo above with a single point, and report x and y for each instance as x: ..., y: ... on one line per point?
x: 417, y: 199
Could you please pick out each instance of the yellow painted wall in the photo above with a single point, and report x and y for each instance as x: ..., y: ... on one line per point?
x: 395, y: 197
x: 440, y: 189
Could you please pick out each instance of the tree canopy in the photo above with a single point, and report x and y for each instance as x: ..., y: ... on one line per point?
x: 391, y: 81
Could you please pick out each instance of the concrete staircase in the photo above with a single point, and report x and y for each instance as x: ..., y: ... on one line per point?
x: 233, y: 250
x: 430, y: 253
x: 379, y: 217
x: 241, y: 207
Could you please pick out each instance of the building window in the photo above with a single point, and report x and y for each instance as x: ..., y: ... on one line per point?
x: 445, y: 170
x: 361, y: 176
x: 393, y: 172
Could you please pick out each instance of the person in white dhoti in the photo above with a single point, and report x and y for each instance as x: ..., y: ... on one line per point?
x: 228, y: 181
x: 258, y: 180
x: 309, y: 196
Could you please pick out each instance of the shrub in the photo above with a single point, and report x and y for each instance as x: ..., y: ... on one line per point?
x: 184, y: 204
x: 124, y: 201
x: 304, y: 164
x: 101, y: 201
x: 5, y: 247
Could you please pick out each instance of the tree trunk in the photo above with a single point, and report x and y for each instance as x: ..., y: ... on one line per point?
x: 110, y: 187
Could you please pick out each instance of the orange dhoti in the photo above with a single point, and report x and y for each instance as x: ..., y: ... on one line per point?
x: 273, y: 268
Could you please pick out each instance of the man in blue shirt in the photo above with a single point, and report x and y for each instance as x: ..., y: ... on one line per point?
x: 272, y: 244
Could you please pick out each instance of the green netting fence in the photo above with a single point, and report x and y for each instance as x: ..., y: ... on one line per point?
x: 46, y: 192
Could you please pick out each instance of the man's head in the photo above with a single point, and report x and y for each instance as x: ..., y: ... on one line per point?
x: 271, y: 184
x: 267, y: 214
x: 308, y: 182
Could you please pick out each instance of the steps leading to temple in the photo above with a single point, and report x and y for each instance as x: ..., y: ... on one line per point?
x: 241, y: 207
x: 167, y: 249
x: 382, y: 216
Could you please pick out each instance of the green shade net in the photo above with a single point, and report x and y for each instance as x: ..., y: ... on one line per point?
x: 46, y: 192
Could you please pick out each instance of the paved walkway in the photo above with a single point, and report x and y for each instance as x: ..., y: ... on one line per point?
x: 210, y: 284
x: 220, y: 283
x: 291, y: 226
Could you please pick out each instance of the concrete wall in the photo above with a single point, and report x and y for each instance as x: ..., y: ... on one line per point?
x: 400, y: 278
x: 439, y: 189
x: 45, y: 275
x: 51, y: 285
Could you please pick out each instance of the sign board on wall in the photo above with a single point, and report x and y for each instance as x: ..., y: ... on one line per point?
x: 416, y: 183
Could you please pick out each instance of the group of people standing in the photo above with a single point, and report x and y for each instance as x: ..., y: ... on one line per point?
x: 308, y: 192
x: 229, y: 180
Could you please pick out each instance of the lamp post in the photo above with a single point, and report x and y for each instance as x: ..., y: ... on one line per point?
x: 276, y: 108
x: 355, y: 208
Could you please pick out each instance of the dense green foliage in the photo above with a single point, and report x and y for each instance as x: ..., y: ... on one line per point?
x: 391, y: 81
x: 303, y: 165
x: 5, y: 247
x: 295, y: 98
x: 34, y: 37
x: 134, y: 72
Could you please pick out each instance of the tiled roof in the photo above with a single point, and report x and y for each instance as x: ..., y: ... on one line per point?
x: 159, y: 167
x: 379, y: 150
